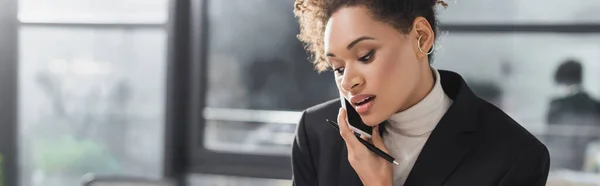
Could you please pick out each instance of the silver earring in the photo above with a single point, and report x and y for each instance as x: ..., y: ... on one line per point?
x: 421, y: 50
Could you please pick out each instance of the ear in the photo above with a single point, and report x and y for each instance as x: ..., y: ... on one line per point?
x: 422, y: 28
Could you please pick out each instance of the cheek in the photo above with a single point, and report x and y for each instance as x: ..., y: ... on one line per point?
x: 398, y: 77
x: 395, y: 69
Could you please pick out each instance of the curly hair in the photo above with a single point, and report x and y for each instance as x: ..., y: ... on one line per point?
x: 313, y: 15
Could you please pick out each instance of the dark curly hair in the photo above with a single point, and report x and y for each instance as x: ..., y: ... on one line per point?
x: 313, y: 15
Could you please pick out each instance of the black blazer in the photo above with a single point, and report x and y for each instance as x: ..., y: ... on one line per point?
x: 474, y: 144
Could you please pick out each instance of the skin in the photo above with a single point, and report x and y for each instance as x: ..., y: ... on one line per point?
x: 386, y: 63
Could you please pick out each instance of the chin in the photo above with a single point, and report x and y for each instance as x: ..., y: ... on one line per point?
x: 372, y: 120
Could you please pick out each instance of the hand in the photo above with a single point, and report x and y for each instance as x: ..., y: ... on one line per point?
x: 372, y: 169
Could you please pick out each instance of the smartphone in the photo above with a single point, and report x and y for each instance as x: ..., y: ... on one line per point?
x: 356, y: 123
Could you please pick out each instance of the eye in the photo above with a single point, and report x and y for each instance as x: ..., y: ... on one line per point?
x: 339, y: 71
x: 367, y: 57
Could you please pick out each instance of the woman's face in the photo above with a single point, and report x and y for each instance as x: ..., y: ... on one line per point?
x: 377, y: 68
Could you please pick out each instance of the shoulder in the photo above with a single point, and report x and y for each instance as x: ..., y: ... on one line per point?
x: 503, y: 133
x: 326, y: 106
x: 314, y: 117
x: 315, y: 132
x: 556, y: 101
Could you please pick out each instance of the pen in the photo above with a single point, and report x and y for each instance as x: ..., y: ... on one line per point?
x: 368, y: 145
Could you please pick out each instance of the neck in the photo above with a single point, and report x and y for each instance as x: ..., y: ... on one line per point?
x: 575, y: 88
x: 423, y: 89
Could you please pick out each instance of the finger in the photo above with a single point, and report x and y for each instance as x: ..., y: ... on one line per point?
x: 377, y: 140
x: 365, y: 138
x: 345, y: 130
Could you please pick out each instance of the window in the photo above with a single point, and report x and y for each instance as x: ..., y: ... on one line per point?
x: 258, y: 79
x: 520, y: 12
x: 91, y: 96
x: 522, y: 65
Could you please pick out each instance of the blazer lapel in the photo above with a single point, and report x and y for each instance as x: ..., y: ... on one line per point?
x: 451, y: 140
x: 440, y: 156
x: 348, y: 176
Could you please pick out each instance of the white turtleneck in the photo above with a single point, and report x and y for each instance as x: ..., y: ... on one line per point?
x: 408, y: 130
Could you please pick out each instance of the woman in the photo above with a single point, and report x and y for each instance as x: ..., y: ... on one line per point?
x: 435, y: 127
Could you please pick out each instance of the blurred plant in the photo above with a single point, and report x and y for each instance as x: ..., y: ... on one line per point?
x: 89, y: 111
x: 67, y: 155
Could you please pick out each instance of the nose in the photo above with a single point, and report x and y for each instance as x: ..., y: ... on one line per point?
x: 352, y: 81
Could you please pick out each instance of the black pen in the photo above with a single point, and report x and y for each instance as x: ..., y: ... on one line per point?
x: 368, y: 145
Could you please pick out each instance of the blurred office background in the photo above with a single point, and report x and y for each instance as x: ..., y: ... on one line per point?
x: 208, y: 92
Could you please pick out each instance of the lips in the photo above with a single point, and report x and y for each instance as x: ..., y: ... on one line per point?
x: 361, y: 99
x: 362, y: 102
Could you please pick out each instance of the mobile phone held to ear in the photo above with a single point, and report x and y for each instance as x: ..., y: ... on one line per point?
x: 353, y: 118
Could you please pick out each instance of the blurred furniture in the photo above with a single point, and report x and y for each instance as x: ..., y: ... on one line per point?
x: 569, y: 145
x: 92, y: 180
x: 573, y: 178
x: 592, y: 157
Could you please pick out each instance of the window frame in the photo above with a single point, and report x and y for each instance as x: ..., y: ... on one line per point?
x: 9, y: 92
x: 175, y: 162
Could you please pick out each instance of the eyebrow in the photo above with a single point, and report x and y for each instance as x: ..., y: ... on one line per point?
x: 351, y: 44
x: 358, y: 40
